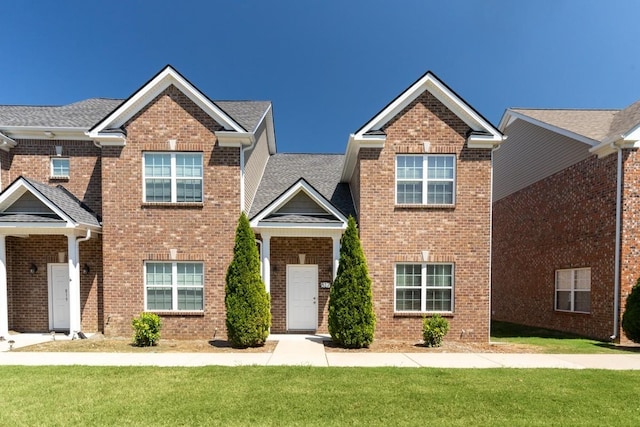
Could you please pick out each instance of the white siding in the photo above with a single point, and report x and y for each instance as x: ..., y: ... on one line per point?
x: 530, y: 154
x: 255, y: 162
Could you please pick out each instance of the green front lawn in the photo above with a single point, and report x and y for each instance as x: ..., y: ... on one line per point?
x: 550, y: 341
x: 316, y: 396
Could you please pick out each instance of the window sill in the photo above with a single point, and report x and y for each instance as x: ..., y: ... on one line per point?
x: 418, y: 206
x: 173, y: 205
x: 185, y: 313
x: 572, y: 312
x: 58, y: 178
x: 422, y: 313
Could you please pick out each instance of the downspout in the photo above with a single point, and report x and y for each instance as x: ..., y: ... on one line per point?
x: 493, y: 150
x: 616, y: 280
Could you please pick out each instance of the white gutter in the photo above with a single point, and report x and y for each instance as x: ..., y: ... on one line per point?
x: 616, y: 282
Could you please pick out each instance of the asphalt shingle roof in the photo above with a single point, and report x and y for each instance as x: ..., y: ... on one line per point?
x: 246, y: 113
x: 593, y: 124
x: 66, y: 202
x: 625, y: 120
x: 322, y: 171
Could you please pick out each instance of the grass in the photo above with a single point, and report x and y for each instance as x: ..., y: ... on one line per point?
x: 550, y: 341
x: 316, y: 396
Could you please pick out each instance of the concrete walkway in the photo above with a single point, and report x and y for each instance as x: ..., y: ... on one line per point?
x: 308, y: 350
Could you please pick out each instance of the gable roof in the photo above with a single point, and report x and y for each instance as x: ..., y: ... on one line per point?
x: 59, y: 200
x: 371, y: 134
x: 321, y: 171
x: 596, y: 128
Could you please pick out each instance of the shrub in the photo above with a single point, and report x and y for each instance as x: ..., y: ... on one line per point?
x: 351, y: 317
x: 434, y: 329
x: 246, y: 299
x: 146, y: 329
x: 631, y: 316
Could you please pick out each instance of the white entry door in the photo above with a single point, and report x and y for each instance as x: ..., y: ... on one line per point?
x: 302, y: 297
x: 58, y: 296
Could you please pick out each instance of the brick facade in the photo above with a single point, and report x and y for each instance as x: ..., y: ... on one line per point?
x: 135, y: 232
x: 460, y: 234
x: 564, y: 221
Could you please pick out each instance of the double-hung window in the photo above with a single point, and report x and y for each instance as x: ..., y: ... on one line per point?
x: 174, y: 286
x: 172, y: 177
x: 573, y: 290
x: 424, y: 288
x: 425, y: 179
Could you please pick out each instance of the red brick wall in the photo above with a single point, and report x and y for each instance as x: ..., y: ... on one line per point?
x: 28, y: 293
x: 135, y: 232
x: 285, y: 250
x: 459, y: 234
x: 564, y: 221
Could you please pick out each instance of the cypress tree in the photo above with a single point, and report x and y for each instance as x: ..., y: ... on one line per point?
x: 351, y: 316
x: 246, y: 300
x: 631, y: 316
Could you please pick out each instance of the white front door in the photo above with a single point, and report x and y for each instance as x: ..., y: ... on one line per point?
x: 58, y: 296
x: 302, y: 297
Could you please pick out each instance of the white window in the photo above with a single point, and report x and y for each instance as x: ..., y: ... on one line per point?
x: 425, y: 179
x: 174, y: 286
x: 59, y: 167
x: 172, y: 177
x: 573, y: 290
x: 424, y: 288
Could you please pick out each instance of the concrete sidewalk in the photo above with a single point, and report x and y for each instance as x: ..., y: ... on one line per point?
x: 308, y: 350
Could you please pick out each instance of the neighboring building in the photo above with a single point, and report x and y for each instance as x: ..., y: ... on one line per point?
x: 114, y: 207
x: 565, y: 224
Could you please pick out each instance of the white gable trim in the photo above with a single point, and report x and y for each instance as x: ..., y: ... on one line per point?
x: 631, y: 139
x: 485, y: 136
x: 20, y: 187
x: 6, y: 143
x: 285, y: 197
x: 167, y: 77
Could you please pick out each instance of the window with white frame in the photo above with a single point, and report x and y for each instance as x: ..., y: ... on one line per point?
x: 172, y: 177
x: 174, y: 286
x: 573, y: 290
x: 425, y: 179
x: 424, y: 288
x: 60, y: 167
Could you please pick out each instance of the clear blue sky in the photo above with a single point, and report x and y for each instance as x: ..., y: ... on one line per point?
x: 328, y: 66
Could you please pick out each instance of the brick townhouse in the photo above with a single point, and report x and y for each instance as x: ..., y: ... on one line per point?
x: 113, y: 207
x: 566, y: 212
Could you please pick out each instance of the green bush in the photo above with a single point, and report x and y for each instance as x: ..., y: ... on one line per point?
x: 351, y: 317
x: 631, y: 316
x: 246, y: 299
x: 146, y: 329
x: 434, y: 329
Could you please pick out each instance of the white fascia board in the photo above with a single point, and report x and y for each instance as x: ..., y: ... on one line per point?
x: 154, y: 88
x: 43, y: 132
x: 18, y: 188
x: 306, y: 225
x: 234, y: 139
x: 353, y: 148
x: 298, y: 231
x: 610, y: 145
x: 510, y: 116
x: 6, y: 143
x: 288, y: 195
x: 109, y: 139
x: 484, y: 141
x: 26, y: 228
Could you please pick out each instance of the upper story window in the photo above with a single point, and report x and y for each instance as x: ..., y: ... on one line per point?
x: 424, y: 288
x: 425, y: 179
x: 60, y: 167
x: 172, y: 177
x: 174, y: 286
x: 573, y: 290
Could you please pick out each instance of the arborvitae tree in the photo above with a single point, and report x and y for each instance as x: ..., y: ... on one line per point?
x: 631, y: 316
x: 352, y: 320
x: 246, y: 300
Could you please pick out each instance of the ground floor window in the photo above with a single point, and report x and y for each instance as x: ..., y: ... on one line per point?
x: 174, y: 286
x: 573, y: 290
x: 424, y: 288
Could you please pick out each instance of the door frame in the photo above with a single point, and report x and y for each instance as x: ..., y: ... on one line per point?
x: 50, y: 296
x: 315, y: 288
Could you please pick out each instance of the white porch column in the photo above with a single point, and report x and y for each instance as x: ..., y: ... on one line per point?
x: 336, y: 255
x: 74, y: 285
x: 266, y: 266
x: 4, y: 300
